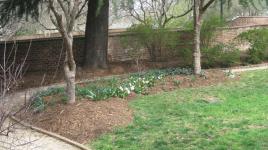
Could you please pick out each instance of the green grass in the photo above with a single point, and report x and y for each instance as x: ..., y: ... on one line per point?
x: 183, y: 119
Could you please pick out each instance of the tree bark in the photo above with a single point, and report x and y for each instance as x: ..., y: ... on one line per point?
x: 96, y: 41
x: 65, y: 23
x: 69, y: 69
x: 221, y: 9
x: 197, y: 33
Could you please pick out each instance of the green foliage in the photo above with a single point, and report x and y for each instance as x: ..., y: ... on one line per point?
x: 258, y: 39
x: 220, y: 55
x: 209, y: 26
x: 154, y: 39
x: 185, y: 119
x: 186, y: 55
x: 25, y: 32
x: 85, y: 92
x: 64, y: 99
x: 18, y: 9
x: 137, y: 82
x: 176, y: 82
x: 38, y: 104
x: 213, y: 56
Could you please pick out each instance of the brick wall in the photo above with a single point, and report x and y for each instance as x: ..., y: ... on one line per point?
x: 249, y: 21
x: 46, y: 52
x: 229, y: 34
x: 238, y: 26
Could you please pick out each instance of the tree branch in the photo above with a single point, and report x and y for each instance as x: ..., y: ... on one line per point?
x: 204, y: 8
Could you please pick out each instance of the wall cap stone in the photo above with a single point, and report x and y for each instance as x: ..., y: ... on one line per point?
x: 53, y: 36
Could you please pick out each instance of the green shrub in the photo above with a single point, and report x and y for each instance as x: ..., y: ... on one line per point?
x: 209, y: 26
x: 38, y: 104
x: 155, y: 40
x: 85, y: 92
x: 220, y: 55
x: 258, y: 39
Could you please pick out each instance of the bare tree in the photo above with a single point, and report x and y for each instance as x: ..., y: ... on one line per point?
x: 161, y: 12
x: 63, y: 15
x: 11, y: 73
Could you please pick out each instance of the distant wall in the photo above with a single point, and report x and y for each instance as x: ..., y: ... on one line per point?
x: 249, y: 21
x: 240, y: 25
x: 45, y: 51
x: 226, y: 35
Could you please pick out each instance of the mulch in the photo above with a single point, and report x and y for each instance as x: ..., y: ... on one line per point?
x: 86, y: 119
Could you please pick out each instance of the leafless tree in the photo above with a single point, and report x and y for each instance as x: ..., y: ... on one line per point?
x: 64, y: 15
x: 11, y: 73
x: 161, y: 12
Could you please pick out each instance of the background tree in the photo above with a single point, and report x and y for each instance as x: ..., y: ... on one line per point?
x: 233, y: 8
x: 157, y: 12
x: 96, y: 34
x: 151, y: 20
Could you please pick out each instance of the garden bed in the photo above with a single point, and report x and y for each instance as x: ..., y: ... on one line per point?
x: 88, y: 117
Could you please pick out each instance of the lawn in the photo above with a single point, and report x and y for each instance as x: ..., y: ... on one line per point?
x: 233, y: 116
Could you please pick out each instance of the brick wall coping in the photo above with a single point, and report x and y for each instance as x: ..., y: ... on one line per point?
x: 239, y: 27
x: 53, y: 36
x: 251, y: 17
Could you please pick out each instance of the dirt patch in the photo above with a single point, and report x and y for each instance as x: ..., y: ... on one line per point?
x: 84, y: 120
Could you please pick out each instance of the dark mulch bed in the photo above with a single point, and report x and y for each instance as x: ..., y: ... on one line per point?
x: 86, y: 119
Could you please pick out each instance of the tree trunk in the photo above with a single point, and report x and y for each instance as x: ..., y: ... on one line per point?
x: 221, y: 9
x: 197, y: 33
x: 69, y: 69
x: 96, y: 41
